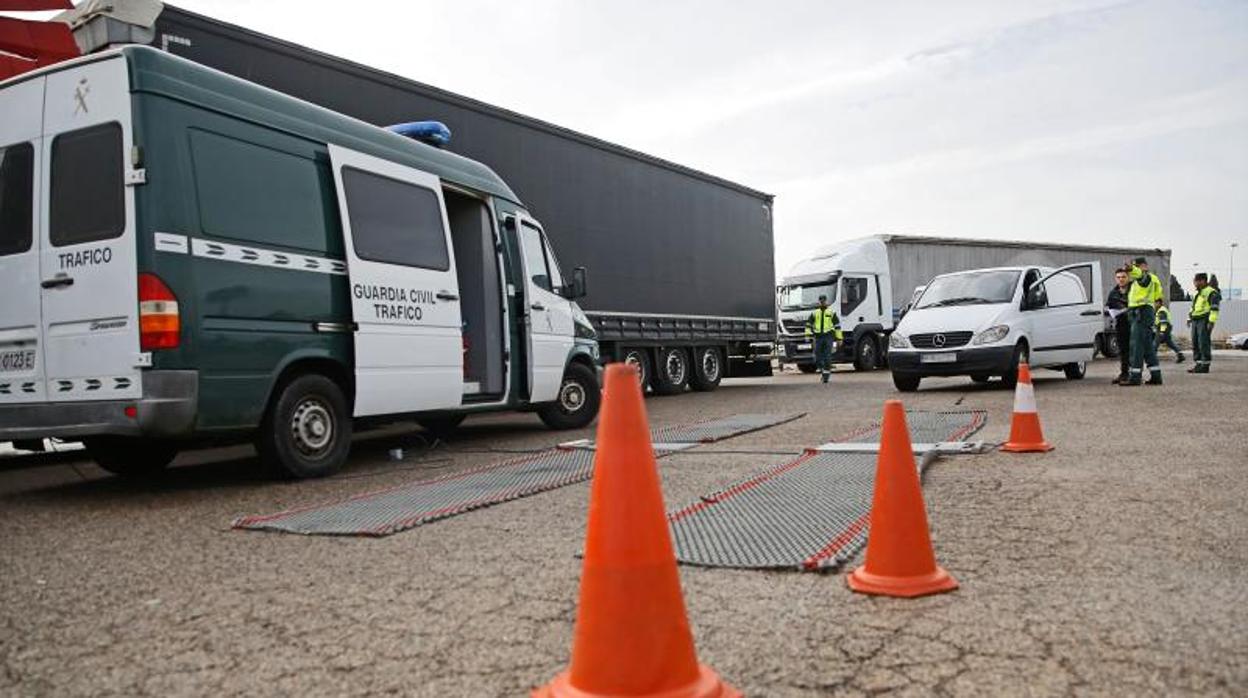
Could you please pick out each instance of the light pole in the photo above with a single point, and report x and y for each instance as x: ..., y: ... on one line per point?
x: 1230, y: 293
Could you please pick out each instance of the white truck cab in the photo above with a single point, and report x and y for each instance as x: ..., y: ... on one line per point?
x: 854, y: 276
x: 984, y: 322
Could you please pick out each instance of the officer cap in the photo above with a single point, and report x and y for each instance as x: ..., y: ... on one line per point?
x: 1141, y: 260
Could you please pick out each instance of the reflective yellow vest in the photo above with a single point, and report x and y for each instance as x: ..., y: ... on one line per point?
x: 1205, y: 304
x: 823, y: 321
x: 1162, y: 321
x: 1143, y: 294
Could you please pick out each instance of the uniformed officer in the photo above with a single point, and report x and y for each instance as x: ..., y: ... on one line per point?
x: 1116, y: 306
x: 825, y: 326
x: 1144, y: 291
x: 1204, y: 315
x: 1164, y: 327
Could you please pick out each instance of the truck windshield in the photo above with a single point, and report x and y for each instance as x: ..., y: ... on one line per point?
x: 969, y: 288
x: 802, y: 297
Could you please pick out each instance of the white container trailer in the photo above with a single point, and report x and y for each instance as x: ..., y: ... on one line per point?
x: 870, y: 281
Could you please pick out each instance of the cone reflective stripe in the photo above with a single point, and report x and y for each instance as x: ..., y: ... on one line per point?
x: 632, y: 636
x: 900, y: 560
x: 1025, y: 433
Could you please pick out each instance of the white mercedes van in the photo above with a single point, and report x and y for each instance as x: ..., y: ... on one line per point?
x: 984, y: 322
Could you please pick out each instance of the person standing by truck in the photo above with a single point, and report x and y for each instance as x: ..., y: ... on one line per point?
x: 1116, y: 306
x: 1204, y: 315
x: 825, y: 326
x: 1164, y: 328
x: 1144, y: 290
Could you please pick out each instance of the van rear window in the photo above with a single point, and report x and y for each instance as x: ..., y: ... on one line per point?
x: 88, y: 195
x: 395, y: 222
x: 17, y: 175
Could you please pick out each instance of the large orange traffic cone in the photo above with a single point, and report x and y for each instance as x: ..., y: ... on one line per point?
x: 900, y: 561
x: 1025, y: 434
x: 632, y: 636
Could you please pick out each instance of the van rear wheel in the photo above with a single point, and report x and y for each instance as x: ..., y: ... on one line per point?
x: 579, y: 397
x: 130, y: 457
x: 306, y: 432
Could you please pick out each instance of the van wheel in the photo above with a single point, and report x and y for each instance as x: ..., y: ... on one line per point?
x: 906, y: 382
x: 441, y: 426
x: 1076, y: 371
x: 671, y: 375
x: 1010, y: 379
x: 636, y: 356
x: 865, y: 353
x: 579, y: 397
x: 1109, y: 342
x: 131, y: 457
x: 307, y: 430
x: 708, y: 369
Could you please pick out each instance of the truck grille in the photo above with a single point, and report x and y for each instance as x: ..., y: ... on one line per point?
x: 939, y: 340
x: 795, y: 326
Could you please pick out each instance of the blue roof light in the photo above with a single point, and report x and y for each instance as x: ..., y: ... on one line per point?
x: 434, y: 133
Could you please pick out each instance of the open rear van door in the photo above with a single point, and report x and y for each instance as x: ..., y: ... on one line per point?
x: 404, y: 290
x: 21, y: 336
x: 1065, y: 325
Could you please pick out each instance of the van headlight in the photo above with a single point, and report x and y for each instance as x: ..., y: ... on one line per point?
x: 581, y: 325
x: 992, y: 334
x: 897, y: 340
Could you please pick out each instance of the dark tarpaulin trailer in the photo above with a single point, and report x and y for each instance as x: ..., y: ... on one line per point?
x: 674, y: 256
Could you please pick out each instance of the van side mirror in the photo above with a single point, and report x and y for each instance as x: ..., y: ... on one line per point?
x: 578, y: 287
x: 1034, y: 298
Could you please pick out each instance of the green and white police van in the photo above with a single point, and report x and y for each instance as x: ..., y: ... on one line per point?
x: 187, y: 258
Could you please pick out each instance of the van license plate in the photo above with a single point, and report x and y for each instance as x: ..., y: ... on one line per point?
x: 803, y: 347
x: 17, y: 361
x: 945, y: 358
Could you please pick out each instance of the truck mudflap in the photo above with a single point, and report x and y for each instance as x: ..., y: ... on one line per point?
x: 167, y: 409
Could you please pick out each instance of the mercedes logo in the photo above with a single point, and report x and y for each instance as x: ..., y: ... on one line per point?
x: 938, y: 340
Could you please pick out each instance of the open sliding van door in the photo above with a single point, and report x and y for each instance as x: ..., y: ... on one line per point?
x: 1067, y: 314
x: 404, y: 291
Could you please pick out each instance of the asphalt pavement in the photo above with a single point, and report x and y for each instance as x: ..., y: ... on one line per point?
x: 1115, y: 565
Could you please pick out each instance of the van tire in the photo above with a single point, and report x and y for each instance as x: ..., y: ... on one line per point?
x: 1076, y: 371
x: 639, y: 357
x: 306, y: 431
x: 1021, y: 354
x: 906, y: 382
x: 708, y: 369
x: 443, y: 426
x: 579, y: 398
x: 671, y: 372
x: 866, y: 353
x: 131, y: 457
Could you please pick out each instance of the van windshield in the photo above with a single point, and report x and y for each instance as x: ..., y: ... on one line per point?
x: 970, y: 288
x: 801, y: 297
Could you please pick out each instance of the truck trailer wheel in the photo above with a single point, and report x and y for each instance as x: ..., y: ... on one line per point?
x: 306, y: 431
x: 579, y: 397
x: 130, y: 457
x: 906, y: 382
x: 866, y: 353
x: 671, y: 375
x: 640, y: 358
x: 708, y: 369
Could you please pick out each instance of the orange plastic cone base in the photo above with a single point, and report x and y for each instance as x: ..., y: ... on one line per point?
x: 632, y: 636
x: 900, y: 560
x: 707, y: 685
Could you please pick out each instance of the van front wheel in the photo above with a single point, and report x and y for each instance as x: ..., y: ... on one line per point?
x: 579, y: 396
x: 307, y: 430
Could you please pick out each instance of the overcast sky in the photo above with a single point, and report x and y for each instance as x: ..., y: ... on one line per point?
x: 1123, y: 123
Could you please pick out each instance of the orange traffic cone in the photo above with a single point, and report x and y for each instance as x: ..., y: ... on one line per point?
x: 632, y: 636
x: 900, y: 561
x: 1025, y: 434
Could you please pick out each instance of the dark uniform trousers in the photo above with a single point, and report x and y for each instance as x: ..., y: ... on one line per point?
x: 1143, y: 345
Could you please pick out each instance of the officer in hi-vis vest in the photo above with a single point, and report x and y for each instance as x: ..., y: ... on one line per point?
x: 1165, y: 330
x: 825, y: 326
x: 1203, y: 316
x: 1144, y: 292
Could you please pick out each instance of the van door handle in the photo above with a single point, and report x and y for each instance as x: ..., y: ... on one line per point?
x: 1090, y: 313
x: 447, y: 296
x: 58, y: 281
x: 537, y: 306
